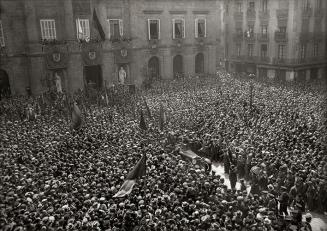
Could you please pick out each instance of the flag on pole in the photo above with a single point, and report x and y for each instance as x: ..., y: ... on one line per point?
x: 142, y: 121
x: 162, y: 119
x: 98, y: 26
x: 138, y: 171
x: 76, y: 117
x: 147, y: 108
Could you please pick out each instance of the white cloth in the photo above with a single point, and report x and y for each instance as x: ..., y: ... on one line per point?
x: 58, y: 83
x: 122, y: 76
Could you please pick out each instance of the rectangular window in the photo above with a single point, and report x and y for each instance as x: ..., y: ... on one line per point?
x: 2, y: 37
x: 48, y: 29
x: 282, y: 29
x: 303, y: 51
x: 116, y: 29
x: 306, y: 5
x: 178, y: 28
x: 250, y: 50
x: 264, y: 5
x: 238, y: 49
x: 315, y: 49
x: 200, y: 28
x: 83, y: 29
x: 263, y: 51
x: 318, y: 4
x: 281, y: 51
x: 250, y: 31
x: 251, y: 6
x: 264, y: 30
x: 239, y: 7
x: 154, y: 29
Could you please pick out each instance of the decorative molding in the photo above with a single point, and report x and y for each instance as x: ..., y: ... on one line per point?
x: 177, y: 11
x: 152, y: 11
x: 201, y: 11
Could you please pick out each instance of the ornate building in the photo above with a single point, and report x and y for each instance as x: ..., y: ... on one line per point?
x: 87, y: 42
x: 276, y: 39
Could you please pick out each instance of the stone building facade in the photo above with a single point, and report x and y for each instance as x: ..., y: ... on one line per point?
x: 45, y: 40
x: 276, y: 39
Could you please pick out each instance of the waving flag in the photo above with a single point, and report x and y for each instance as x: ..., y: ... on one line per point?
x: 76, y: 117
x: 98, y: 26
x: 138, y: 171
x: 142, y: 121
x: 162, y: 119
x: 147, y: 108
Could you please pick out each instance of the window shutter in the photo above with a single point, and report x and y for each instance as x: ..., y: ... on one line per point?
x: 121, y: 29
x: 149, y: 37
x: 205, y: 28
x: 196, y: 28
x: 77, y: 29
x: 2, y: 36
x: 87, y: 28
x: 109, y: 34
x: 174, y: 29
x: 183, y: 33
x: 158, y: 29
x: 54, y: 30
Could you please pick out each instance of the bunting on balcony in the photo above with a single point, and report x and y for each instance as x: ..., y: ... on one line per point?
x: 92, y: 54
x: 56, y: 56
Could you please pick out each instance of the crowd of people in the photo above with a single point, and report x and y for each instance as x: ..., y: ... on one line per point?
x: 55, y: 178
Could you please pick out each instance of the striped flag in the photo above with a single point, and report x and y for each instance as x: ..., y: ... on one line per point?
x: 98, y: 26
x: 76, y: 117
x: 138, y: 171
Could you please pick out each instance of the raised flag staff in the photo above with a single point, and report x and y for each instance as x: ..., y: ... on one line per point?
x: 138, y: 171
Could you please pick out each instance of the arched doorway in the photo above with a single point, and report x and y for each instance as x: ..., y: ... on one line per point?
x: 154, y: 68
x: 199, y: 63
x: 4, y: 84
x: 178, y: 67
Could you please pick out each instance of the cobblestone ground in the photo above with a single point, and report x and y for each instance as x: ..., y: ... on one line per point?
x: 319, y: 221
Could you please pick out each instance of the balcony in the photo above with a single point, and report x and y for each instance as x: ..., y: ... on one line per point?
x: 299, y: 61
x: 263, y: 37
x: 264, y: 15
x: 238, y: 16
x: 250, y: 14
x: 282, y: 13
x: 307, y: 12
x: 251, y: 59
x: 280, y: 36
x: 319, y: 13
x: 305, y: 37
x: 249, y: 37
x: 238, y: 37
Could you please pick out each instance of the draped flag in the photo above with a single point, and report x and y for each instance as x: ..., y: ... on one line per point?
x: 162, y: 119
x: 138, y: 171
x: 142, y: 121
x: 76, y: 117
x: 98, y: 26
x: 147, y: 109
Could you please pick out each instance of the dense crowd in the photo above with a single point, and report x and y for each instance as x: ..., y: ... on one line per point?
x: 55, y: 178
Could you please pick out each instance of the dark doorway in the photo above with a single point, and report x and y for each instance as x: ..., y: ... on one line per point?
x: 262, y: 73
x: 281, y: 75
x: 199, y: 63
x: 313, y: 73
x: 178, y: 67
x: 238, y: 67
x: 4, y: 84
x: 301, y: 76
x: 93, y: 76
x: 154, y: 68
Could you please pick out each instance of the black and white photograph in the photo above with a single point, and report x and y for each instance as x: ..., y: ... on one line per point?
x: 163, y: 115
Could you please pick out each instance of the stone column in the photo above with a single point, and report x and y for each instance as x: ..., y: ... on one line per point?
x: 36, y: 62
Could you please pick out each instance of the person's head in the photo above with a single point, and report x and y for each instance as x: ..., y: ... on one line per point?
x: 308, y: 217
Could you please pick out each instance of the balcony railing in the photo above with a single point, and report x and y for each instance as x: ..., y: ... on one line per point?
x: 252, y: 59
x: 263, y: 37
x: 298, y: 61
x: 305, y: 37
x: 280, y: 36
x: 238, y: 36
x: 282, y: 13
x: 238, y: 16
x: 250, y: 37
x: 264, y: 15
x: 319, y: 12
x: 307, y: 12
x: 250, y: 14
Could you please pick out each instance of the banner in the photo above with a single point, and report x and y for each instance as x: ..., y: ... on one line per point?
x: 56, y: 56
x: 91, y: 54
